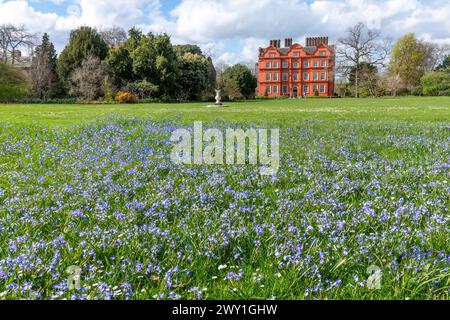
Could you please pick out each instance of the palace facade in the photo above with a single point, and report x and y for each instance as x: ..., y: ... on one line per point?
x: 295, y: 70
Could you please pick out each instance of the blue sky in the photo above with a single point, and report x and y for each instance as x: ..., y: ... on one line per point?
x: 61, y: 8
x: 232, y: 30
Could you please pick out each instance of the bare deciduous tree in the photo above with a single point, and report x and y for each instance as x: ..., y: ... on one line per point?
x: 113, y: 36
x: 89, y: 79
x: 12, y: 38
x: 434, y: 54
x: 362, y: 45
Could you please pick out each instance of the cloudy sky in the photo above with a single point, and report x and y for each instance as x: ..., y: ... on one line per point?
x: 232, y: 30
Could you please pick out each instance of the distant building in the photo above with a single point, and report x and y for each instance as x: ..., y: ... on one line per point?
x: 296, y: 70
x: 20, y: 61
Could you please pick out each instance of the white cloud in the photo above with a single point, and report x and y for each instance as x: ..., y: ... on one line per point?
x: 107, y: 13
x: 98, y: 13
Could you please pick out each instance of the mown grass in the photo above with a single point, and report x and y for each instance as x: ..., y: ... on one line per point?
x: 280, y: 112
x: 361, y: 183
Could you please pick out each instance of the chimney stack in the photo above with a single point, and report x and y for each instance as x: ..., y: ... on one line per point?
x: 275, y: 43
x: 316, y: 41
x: 288, y: 42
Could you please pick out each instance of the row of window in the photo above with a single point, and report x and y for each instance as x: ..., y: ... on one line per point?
x: 319, y: 88
x: 306, y: 64
x: 297, y: 54
x: 285, y: 76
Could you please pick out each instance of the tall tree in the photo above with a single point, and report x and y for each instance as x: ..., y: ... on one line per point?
x: 191, y: 60
x: 154, y: 60
x: 84, y: 41
x: 120, y: 59
x: 193, y: 77
x: 243, y: 76
x: 145, y: 57
x: 361, y: 45
x: 43, y: 77
x: 166, y: 64
x: 411, y: 59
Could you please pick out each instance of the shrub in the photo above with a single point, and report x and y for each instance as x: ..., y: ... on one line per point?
x: 142, y: 89
x: 125, y: 97
x: 436, y: 83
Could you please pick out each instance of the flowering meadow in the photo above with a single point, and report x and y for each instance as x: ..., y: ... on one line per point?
x: 104, y: 196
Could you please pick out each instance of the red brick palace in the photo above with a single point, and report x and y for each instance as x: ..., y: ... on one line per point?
x: 297, y: 70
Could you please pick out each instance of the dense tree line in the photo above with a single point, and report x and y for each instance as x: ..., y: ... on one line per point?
x: 371, y: 66
x: 100, y: 64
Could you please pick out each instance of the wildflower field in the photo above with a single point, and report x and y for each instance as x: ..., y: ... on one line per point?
x: 362, y: 183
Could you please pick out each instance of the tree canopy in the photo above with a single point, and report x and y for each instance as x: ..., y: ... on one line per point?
x: 182, y: 49
x: 145, y: 57
x: 361, y: 45
x: 411, y: 59
x: 436, y: 83
x: 83, y: 42
x: 244, y: 78
x: 194, y: 76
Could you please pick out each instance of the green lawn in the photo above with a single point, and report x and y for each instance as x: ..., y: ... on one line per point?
x: 285, y: 111
x: 362, y: 183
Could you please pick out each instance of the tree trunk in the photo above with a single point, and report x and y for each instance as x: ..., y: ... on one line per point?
x: 356, y: 81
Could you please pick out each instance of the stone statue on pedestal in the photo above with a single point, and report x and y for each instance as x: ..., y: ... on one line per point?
x: 218, y: 97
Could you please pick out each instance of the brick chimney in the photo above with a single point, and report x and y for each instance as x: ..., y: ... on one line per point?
x: 275, y: 43
x: 316, y: 41
x: 288, y: 42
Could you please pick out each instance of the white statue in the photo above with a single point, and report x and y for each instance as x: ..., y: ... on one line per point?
x: 218, y: 97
